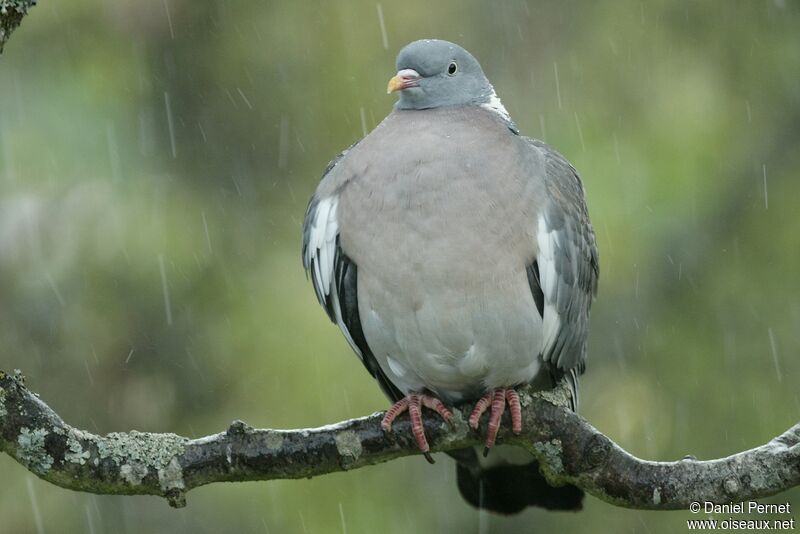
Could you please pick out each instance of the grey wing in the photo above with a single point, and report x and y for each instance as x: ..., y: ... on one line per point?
x: 566, y: 271
x: 335, y: 277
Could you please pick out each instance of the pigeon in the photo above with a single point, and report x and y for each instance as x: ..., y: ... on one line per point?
x: 458, y: 259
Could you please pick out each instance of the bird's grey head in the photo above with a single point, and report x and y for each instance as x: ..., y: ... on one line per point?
x: 433, y: 73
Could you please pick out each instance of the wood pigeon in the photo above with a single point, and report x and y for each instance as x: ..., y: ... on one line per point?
x: 458, y: 260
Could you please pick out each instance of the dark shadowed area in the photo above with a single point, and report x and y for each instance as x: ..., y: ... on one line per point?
x: 156, y: 157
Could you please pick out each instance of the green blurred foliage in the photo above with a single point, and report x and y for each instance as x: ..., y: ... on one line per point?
x: 171, y: 144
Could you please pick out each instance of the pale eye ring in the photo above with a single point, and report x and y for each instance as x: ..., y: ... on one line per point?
x: 452, y: 68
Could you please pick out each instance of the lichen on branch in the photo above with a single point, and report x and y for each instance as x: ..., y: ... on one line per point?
x: 568, y: 448
x: 11, y: 13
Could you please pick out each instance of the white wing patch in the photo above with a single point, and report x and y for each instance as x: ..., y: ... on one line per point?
x: 321, y: 261
x: 548, y: 241
x: 322, y: 241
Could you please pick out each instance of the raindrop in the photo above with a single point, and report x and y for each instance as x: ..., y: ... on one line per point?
x: 169, y: 124
x: 613, y: 46
x: 384, y: 37
x: 130, y: 355
x: 283, y: 143
x: 165, y: 289
x: 113, y: 153
x: 363, y: 121
x: 192, y: 359
x: 619, y: 351
x: 236, y: 185
x: 558, y: 85
x: 169, y: 21
x: 37, y: 516
x: 89, y: 522
x: 483, y: 518
x: 341, y: 516
x: 88, y: 372
x: 774, y: 348
x: 729, y: 345
x: 580, y: 131
x: 208, y: 235
x: 246, y: 101
x: 230, y: 97
x: 766, y: 194
x: 53, y: 286
x: 300, y: 142
x: 347, y: 407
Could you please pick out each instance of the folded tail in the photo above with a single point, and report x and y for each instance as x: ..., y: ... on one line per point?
x: 509, y: 489
x: 509, y: 480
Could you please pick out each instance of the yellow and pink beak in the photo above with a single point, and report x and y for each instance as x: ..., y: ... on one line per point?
x: 404, y: 79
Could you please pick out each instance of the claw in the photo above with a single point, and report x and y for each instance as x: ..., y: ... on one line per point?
x: 438, y: 406
x: 516, y: 410
x: 498, y: 407
x: 480, y: 407
x: 396, y: 409
x: 497, y: 399
x: 413, y: 403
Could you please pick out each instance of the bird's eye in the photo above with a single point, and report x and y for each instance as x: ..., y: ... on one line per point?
x: 452, y: 68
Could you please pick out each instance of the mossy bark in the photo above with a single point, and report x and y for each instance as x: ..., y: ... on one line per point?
x: 567, y: 447
x: 11, y: 14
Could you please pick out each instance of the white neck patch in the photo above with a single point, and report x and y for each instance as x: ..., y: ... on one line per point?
x: 496, y: 106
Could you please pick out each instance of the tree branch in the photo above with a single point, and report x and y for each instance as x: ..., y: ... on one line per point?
x: 568, y: 448
x: 11, y: 13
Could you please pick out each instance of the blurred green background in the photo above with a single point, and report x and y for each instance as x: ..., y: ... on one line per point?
x: 156, y: 157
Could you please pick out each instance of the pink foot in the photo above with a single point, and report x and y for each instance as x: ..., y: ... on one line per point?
x: 413, y: 403
x: 497, y: 399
